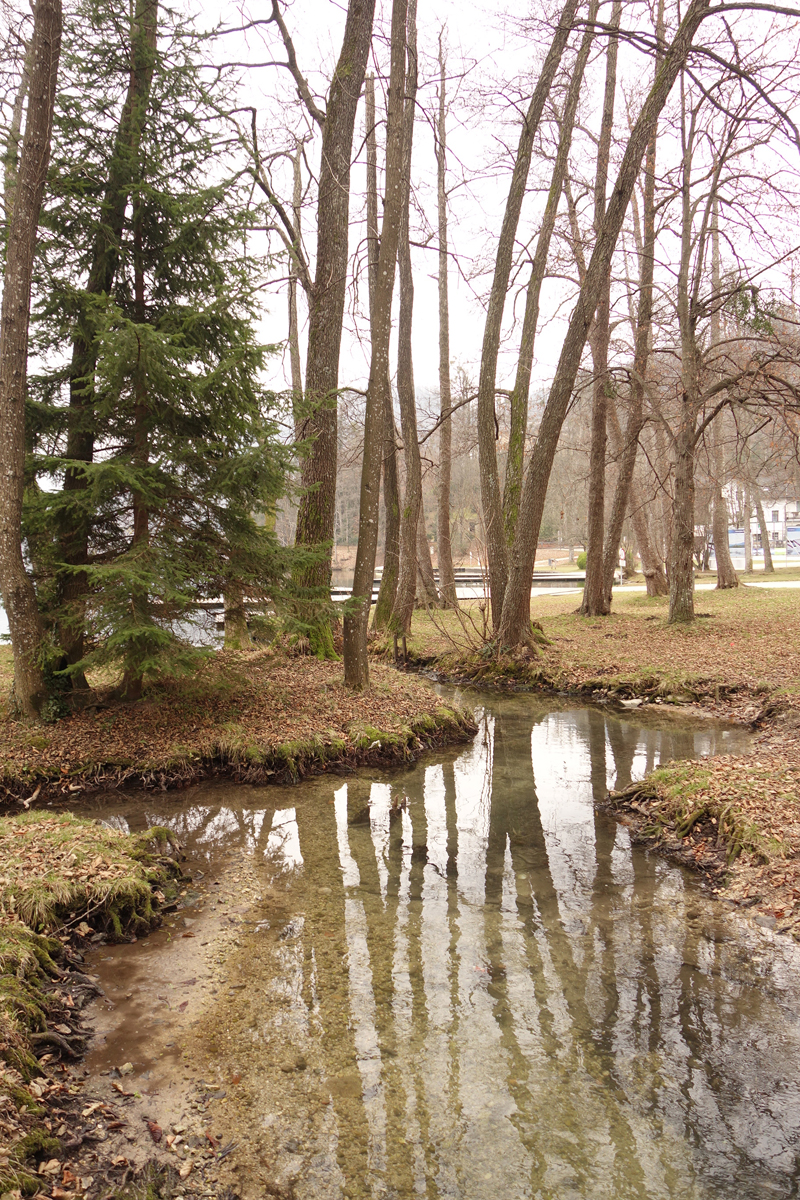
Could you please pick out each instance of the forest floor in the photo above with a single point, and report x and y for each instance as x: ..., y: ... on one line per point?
x: 736, y: 818
x: 260, y: 716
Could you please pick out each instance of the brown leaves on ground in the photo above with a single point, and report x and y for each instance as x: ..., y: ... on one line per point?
x: 262, y: 699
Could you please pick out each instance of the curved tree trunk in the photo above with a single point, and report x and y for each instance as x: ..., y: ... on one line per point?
x: 315, y: 516
x: 652, y: 568
x: 487, y: 451
x: 17, y: 589
x: 356, y: 662
x: 762, y: 525
x: 515, y: 461
x: 391, y: 489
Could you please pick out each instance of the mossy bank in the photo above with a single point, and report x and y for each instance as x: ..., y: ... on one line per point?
x: 63, y: 880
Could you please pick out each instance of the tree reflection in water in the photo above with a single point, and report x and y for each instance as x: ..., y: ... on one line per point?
x: 505, y: 998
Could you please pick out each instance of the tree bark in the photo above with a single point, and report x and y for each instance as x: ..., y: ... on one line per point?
x: 391, y: 488
x: 595, y: 602
x: 516, y: 608
x: 447, y: 582
x: 762, y: 525
x: 356, y: 662
x: 315, y: 517
x: 681, y: 567
x: 487, y: 452
x: 19, y: 597
x: 75, y: 521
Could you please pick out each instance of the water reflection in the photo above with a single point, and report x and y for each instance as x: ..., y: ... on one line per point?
x: 506, y: 998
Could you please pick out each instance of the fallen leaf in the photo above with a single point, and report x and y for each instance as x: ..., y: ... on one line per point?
x: 156, y: 1131
x: 186, y: 1169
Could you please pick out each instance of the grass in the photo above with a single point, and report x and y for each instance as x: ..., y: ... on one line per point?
x: 746, y: 641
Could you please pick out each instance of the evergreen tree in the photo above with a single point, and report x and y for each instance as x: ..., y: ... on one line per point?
x: 184, y: 462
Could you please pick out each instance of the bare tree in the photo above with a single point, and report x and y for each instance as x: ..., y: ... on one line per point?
x: 447, y: 583
x: 515, y: 622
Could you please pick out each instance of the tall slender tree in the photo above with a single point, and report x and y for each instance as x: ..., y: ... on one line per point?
x: 356, y: 663
x: 19, y: 597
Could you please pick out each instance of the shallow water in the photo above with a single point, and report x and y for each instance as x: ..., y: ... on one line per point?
x: 462, y: 981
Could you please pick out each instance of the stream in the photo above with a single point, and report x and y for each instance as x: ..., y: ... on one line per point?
x: 461, y: 980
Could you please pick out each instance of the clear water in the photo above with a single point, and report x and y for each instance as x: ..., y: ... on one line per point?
x: 465, y: 982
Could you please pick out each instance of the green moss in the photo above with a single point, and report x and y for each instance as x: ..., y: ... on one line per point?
x: 37, y: 1145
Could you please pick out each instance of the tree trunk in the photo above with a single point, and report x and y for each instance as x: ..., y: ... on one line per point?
x: 14, y: 135
x: 681, y: 567
x: 315, y: 517
x: 652, y: 568
x: 132, y: 680
x: 514, y: 626
x: 356, y: 662
x: 412, y: 501
x: 595, y: 602
x: 75, y: 520
x: 748, y: 537
x: 19, y: 597
x: 426, y: 580
x: 726, y: 575
x: 294, y: 323
x: 447, y: 582
x: 762, y: 525
x: 391, y: 488
x: 487, y: 452
x: 633, y: 426
x: 515, y: 461
x: 237, y: 634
